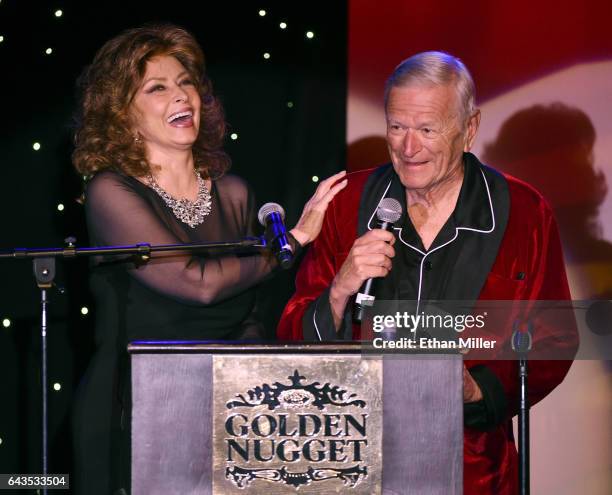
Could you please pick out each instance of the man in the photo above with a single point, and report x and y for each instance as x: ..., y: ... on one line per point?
x: 470, y: 233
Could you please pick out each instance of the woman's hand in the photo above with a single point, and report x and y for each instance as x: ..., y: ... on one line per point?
x: 309, y: 225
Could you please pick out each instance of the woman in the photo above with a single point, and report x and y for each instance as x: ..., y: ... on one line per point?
x: 150, y: 135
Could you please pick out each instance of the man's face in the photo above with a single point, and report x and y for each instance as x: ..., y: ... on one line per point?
x: 425, y: 135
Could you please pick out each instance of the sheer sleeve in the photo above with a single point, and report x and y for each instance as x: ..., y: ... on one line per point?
x: 119, y: 214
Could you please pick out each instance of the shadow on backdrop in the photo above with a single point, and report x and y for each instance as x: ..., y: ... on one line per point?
x: 551, y: 148
x: 366, y: 152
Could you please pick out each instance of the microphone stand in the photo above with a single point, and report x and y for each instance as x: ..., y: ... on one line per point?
x: 523, y: 430
x: 521, y: 344
x: 44, y: 273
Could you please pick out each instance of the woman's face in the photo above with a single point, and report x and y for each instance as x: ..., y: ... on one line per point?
x: 166, y: 108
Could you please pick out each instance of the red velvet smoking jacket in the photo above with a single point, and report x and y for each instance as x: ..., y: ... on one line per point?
x: 530, y: 244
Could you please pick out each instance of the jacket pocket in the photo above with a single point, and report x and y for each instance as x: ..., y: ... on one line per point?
x: 503, y: 289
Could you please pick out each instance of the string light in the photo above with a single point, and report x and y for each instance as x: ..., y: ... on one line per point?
x: 60, y: 207
x: 0, y: 441
x: 84, y: 310
x: 233, y: 136
x: 36, y: 146
x: 283, y: 25
x: 57, y: 386
x: 266, y: 55
x: 49, y: 51
x: 315, y: 178
x: 58, y: 13
x: 290, y: 104
x: 309, y: 35
x: 262, y: 13
x: 1, y: 39
x: 6, y: 323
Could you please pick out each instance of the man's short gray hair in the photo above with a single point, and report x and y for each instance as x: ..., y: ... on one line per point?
x: 439, y: 69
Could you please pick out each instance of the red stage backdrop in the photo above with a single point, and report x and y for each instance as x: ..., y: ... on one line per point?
x: 543, y: 73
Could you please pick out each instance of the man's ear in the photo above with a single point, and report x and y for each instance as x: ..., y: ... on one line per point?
x: 471, y: 129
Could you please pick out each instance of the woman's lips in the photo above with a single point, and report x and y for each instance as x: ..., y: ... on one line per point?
x: 182, y: 118
x: 182, y: 122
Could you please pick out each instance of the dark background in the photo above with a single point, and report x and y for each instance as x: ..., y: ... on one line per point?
x: 288, y: 112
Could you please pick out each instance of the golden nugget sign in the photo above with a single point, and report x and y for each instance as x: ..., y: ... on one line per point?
x: 311, y: 423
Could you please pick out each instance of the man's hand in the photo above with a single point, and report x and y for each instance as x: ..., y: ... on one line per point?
x: 471, y: 390
x: 369, y: 257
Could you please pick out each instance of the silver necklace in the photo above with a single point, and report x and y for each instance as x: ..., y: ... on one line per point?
x: 190, y: 212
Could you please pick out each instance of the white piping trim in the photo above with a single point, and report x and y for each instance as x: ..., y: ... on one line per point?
x: 375, y: 209
x: 314, y: 320
x: 400, y: 229
x: 490, y: 206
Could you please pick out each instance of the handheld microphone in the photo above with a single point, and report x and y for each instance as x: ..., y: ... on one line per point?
x: 272, y: 216
x: 388, y: 212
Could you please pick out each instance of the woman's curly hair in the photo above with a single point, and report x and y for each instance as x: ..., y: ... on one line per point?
x: 104, y: 138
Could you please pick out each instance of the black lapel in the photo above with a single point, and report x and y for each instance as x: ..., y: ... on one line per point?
x: 478, y: 250
x: 376, y: 188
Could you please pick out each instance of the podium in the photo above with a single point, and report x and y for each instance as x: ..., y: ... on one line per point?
x: 228, y: 418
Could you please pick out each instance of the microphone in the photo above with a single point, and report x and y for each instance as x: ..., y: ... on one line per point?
x: 272, y: 216
x: 522, y: 338
x: 388, y: 212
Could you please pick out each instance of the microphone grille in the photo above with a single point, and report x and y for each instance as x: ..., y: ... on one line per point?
x: 268, y: 208
x: 389, y: 210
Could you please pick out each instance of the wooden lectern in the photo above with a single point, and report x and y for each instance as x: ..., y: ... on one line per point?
x: 225, y: 418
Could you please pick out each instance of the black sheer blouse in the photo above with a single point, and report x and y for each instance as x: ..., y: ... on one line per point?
x: 176, y: 297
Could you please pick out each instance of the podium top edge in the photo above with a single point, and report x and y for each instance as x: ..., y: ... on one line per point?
x: 231, y: 347
x: 250, y: 347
